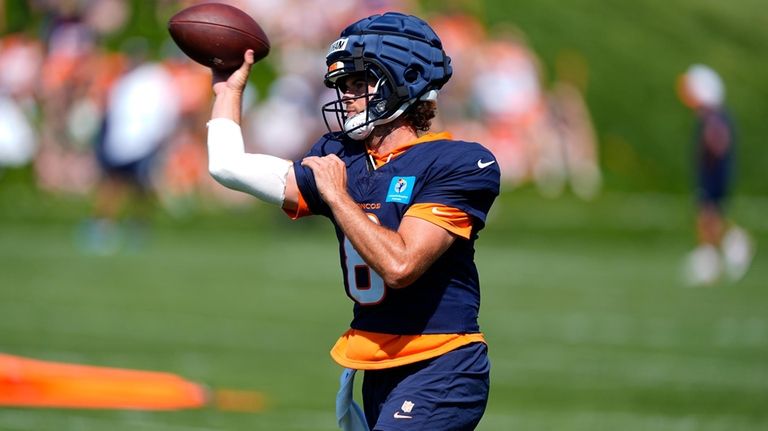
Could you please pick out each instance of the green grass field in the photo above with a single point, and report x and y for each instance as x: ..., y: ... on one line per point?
x: 589, y: 325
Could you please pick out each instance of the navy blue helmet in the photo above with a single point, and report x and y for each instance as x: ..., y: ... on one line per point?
x: 400, y: 53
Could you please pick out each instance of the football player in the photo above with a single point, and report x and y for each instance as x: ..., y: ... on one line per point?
x: 407, y: 206
x: 723, y: 246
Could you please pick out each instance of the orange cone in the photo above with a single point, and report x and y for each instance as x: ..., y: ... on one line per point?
x: 33, y: 383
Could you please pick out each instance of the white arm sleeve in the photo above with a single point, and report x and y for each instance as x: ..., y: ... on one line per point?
x: 260, y: 175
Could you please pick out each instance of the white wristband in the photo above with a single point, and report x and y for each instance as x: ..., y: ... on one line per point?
x: 260, y: 175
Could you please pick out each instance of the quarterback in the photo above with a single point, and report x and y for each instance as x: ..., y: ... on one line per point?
x: 407, y: 206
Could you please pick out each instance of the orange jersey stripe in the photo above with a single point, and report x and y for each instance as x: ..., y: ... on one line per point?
x: 382, y: 159
x: 301, y: 211
x: 363, y: 350
x: 451, y: 219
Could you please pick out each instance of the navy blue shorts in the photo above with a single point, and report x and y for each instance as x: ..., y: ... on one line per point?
x: 137, y: 172
x: 447, y: 393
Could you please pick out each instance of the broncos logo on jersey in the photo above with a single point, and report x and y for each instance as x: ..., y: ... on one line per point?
x: 400, y: 185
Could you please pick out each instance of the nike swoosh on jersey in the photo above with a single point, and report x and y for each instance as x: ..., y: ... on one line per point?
x: 481, y: 164
x: 399, y: 415
x: 437, y: 212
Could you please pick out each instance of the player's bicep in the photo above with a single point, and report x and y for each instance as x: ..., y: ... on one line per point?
x: 425, y: 242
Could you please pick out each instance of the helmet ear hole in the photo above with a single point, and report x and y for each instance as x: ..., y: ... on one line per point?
x: 412, y: 74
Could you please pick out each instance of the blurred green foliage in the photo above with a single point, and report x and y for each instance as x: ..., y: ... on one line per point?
x: 634, y: 51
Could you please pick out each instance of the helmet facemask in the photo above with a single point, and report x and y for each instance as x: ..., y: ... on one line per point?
x: 379, y: 108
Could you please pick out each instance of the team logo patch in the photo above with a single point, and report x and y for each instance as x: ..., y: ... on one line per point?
x: 401, y: 189
x: 406, y: 408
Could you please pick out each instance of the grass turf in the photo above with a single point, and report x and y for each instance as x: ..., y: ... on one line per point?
x: 589, y: 325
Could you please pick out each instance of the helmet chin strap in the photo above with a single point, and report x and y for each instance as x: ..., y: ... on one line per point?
x: 356, y: 128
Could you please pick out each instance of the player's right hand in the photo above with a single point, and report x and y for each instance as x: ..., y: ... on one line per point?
x: 330, y: 176
x: 237, y: 80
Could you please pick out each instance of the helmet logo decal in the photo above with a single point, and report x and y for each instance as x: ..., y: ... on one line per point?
x: 339, y: 45
x: 336, y: 66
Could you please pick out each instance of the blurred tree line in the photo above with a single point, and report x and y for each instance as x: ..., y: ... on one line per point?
x: 635, y: 52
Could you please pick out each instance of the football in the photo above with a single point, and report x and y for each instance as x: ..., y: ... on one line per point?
x: 216, y: 35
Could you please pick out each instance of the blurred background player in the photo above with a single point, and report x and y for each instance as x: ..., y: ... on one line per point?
x: 723, y: 247
x: 20, y: 59
x: 131, y: 136
x: 406, y: 205
x: 513, y: 109
x: 569, y: 117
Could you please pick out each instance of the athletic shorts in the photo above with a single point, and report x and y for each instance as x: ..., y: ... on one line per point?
x: 138, y: 171
x: 447, y: 393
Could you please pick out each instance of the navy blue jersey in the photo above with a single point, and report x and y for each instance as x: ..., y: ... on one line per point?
x: 715, y: 142
x: 456, y: 174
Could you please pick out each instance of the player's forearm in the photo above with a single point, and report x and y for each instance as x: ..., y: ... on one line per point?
x: 227, y: 104
x: 259, y: 175
x: 381, y: 248
x: 229, y: 89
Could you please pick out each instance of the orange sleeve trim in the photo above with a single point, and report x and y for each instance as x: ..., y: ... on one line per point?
x: 363, y: 350
x: 302, y: 210
x: 451, y: 219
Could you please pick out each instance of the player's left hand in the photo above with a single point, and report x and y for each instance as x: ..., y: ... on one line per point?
x: 234, y: 81
x: 330, y: 176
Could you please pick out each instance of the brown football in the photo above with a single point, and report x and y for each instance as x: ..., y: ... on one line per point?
x: 216, y: 35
